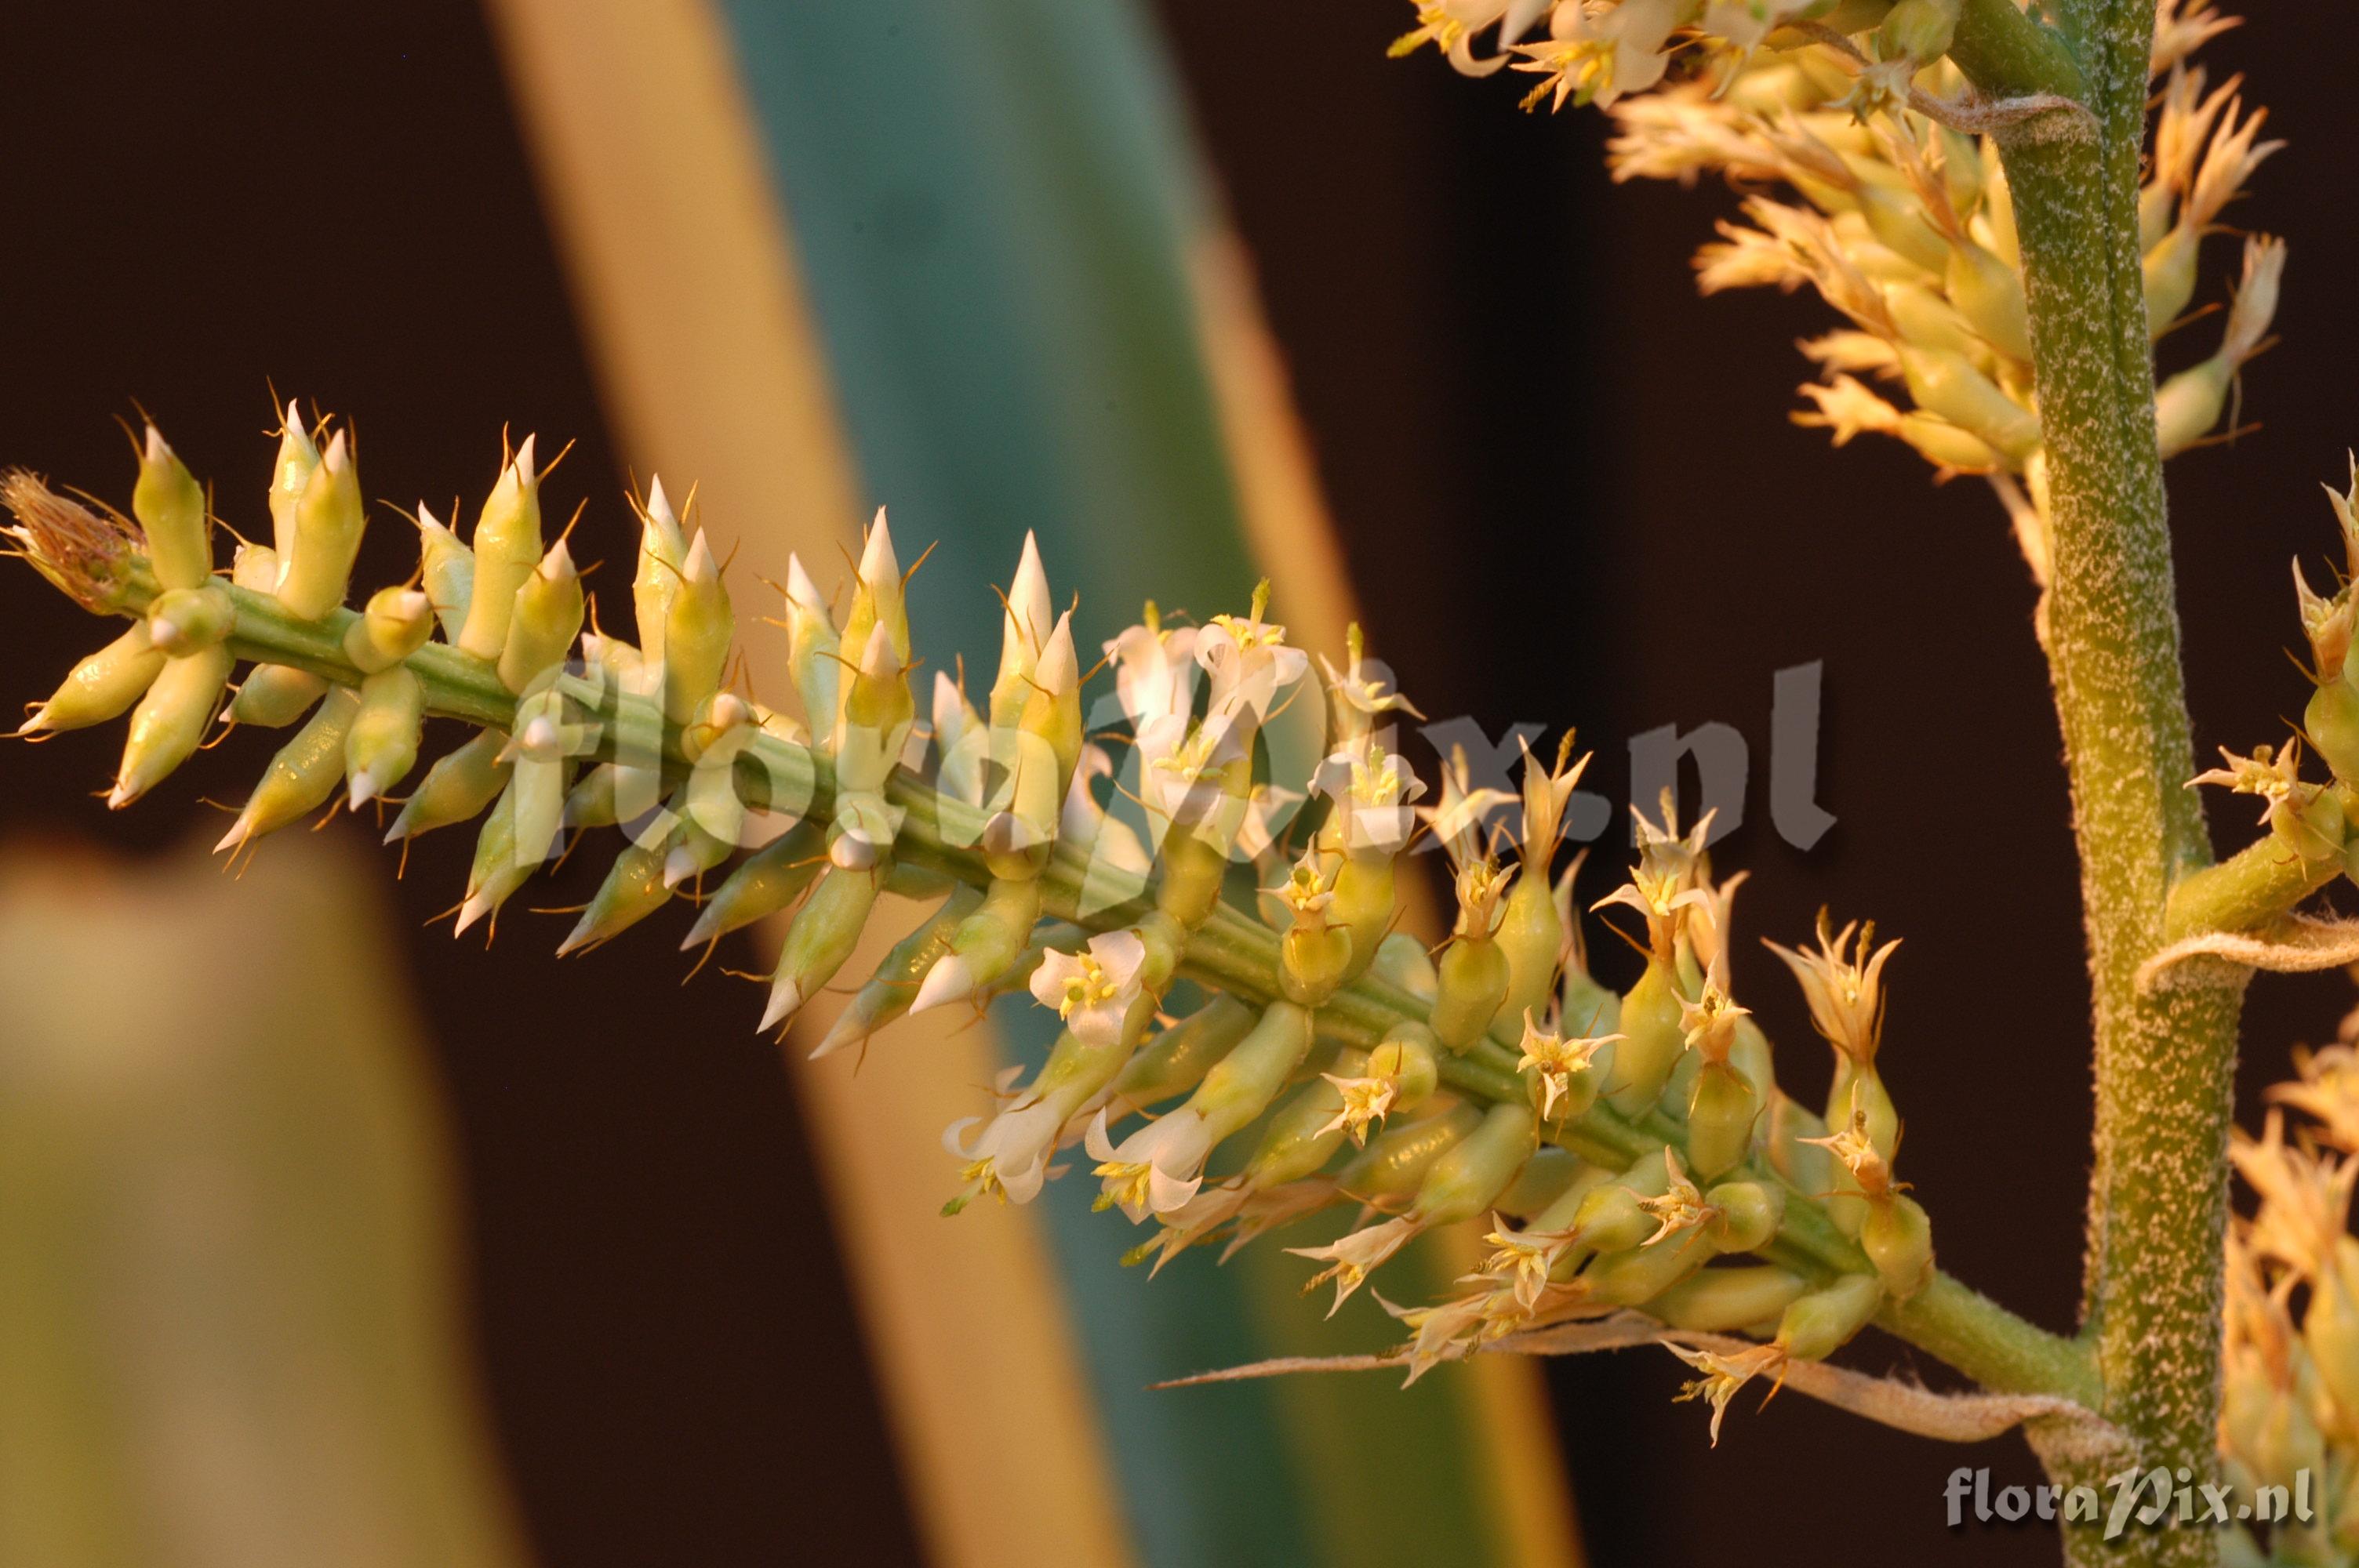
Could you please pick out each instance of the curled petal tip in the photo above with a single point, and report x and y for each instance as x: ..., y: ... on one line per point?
x: 679, y: 866
x: 239, y: 832
x: 363, y: 790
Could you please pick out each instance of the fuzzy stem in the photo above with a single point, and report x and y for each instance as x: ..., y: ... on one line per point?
x: 2263, y: 880
x: 2165, y: 1059
x: 1232, y: 950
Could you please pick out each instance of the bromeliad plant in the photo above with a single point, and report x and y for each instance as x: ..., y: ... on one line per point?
x: 1245, y: 1038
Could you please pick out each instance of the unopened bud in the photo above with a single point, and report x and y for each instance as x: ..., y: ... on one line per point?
x: 182, y: 620
x: 303, y: 775
x: 446, y: 567
x: 328, y: 524
x: 1024, y: 629
x: 501, y: 865
x: 1898, y: 1240
x: 383, y: 745
x: 1468, y: 1180
x: 456, y: 787
x: 170, y: 507
x: 985, y: 944
x: 766, y: 882
x: 1175, y: 1061
x: 102, y: 685
x: 697, y: 631
x: 887, y: 994
x: 290, y: 475
x: 171, y: 721
x: 1723, y: 1300
x: 820, y: 938
x: 1472, y: 983
x: 1821, y: 1323
x: 663, y: 551
x: 1653, y: 1040
x: 547, y: 618
x: 1393, y: 1164
x: 507, y: 548
x: 394, y: 624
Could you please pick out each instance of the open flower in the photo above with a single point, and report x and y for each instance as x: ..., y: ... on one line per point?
x: 1185, y: 781
x: 1153, y: 672
x: 1709, y: 1023
x: 1599, y: 53
x: 2274, y: 775
x: 1009, y: 1158
x: 1373, y: 791
x: 1353, y: 1258
x: 1547, y: 791
x: 1450, y: 26
x: 2326, y: 623
x: 1155, y: 1170
x: 1681, y: 1208
x: 1522, y: 1260
x: 1843, y: 984
x: 1726, y: 1373
x: 1663, y: 898
x: 1249, y: 663
x: 1447, y: 1330
x: 1860, y: 1156
x: 1557, y: 1059
x: 1361, y: 696
x: 1365, y: 1100
x: 1092, y: 991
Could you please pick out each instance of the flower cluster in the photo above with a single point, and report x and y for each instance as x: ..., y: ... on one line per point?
x: 1233, y: 1062
x: 2291, y: 1358
x: 1228, y: 1067
x: 1874, y: 179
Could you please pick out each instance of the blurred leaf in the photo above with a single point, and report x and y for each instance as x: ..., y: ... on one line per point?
x: 228, y: 1326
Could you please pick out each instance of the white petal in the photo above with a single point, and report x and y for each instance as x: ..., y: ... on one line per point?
x: 1100, y: 1147
x: 1049, y: 980
x: 1119, y: 953
x: 1024, y: 1185
x: 1168, y: 1193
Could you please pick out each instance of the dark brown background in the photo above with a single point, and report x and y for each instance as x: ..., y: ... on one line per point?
x: 1568, y: 494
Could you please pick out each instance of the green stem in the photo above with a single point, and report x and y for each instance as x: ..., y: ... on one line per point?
x: 2255, y: 884
x: 2159, y: 1197
x: 1232, y: 950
